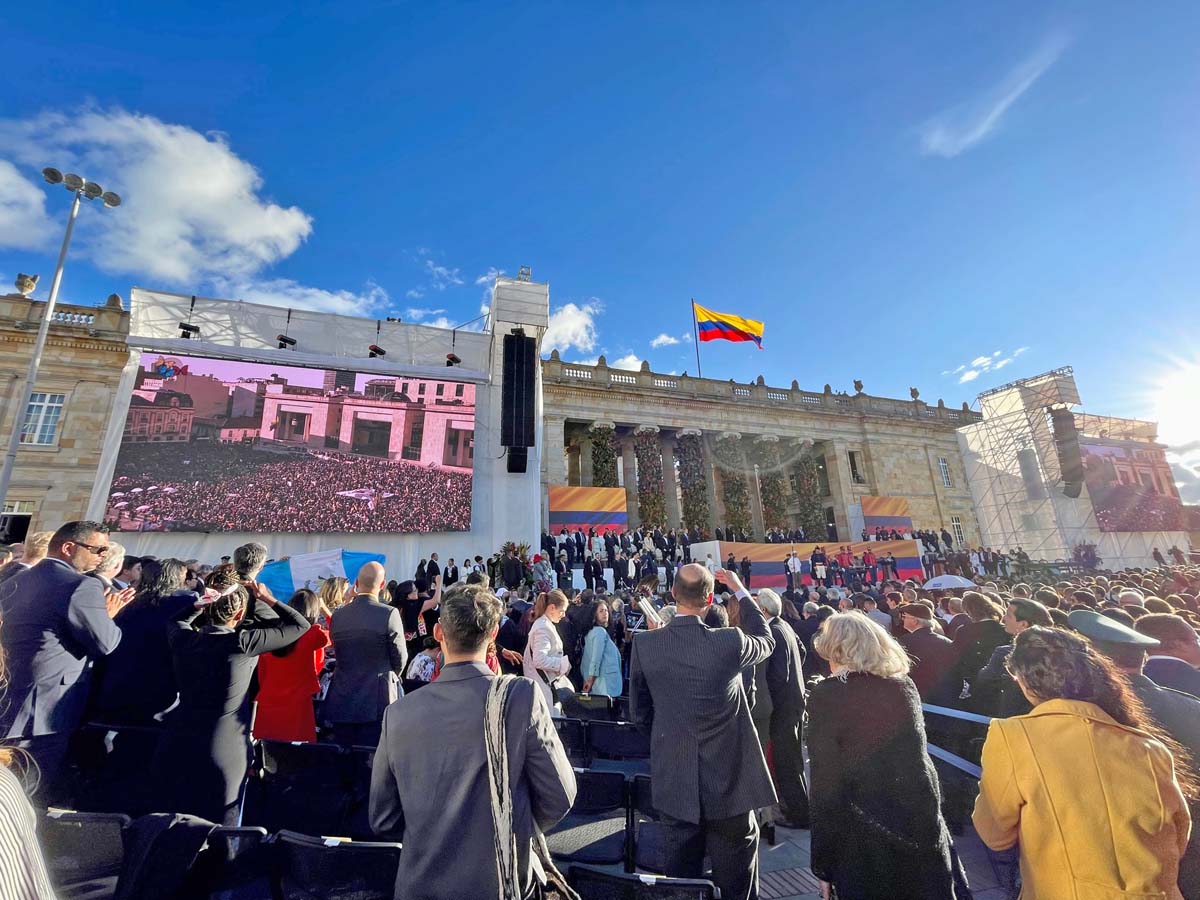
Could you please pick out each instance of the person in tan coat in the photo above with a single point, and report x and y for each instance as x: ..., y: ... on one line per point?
x: 1091, y: 790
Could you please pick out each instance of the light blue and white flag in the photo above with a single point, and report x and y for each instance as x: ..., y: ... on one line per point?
x: 308, y: 570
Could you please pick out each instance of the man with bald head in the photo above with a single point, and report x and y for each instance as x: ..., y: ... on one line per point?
x: 368, y: 641
x: 706, y: 762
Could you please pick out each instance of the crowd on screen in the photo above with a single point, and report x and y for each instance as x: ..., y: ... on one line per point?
x: 722, y: 678
x: 187, y: 487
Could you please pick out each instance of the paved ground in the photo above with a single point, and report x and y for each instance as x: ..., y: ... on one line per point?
x: 785, y: 875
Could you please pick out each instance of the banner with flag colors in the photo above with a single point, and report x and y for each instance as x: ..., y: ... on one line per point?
x: 587, y: 507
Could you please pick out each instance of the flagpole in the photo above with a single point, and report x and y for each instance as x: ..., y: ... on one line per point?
x: 696, y: 326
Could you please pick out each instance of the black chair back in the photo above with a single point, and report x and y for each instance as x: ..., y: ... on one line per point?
x: 302, y: 787
x: 313, y: 868
x: 617, y: 740
x: 82, y: 846
x: 573, y: 734
x: 595, y: 885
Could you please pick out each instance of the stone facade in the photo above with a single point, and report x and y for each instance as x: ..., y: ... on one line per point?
x: 864, y: 445
x: 85, y: 355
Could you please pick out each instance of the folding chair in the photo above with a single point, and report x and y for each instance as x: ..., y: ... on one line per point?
x: 83, y: 851
x: 594, y: 830
x: 314, y: 868
x: 646, y: 838
x: 298, y: 786
x: 618, y: 747
x: 233, y: 864
x: 573, y: 734
x: 595, y: 885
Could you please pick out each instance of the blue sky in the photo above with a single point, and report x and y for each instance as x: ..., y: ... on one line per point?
x: 896, y: 192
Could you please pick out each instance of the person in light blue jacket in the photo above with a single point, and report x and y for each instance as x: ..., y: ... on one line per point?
x: 601, y: 668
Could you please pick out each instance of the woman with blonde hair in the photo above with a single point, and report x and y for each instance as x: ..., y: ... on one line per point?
x: 545, y: 659
x: 877, y: 826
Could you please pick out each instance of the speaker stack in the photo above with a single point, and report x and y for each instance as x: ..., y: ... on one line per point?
x: 517, y: 398
x: 1066, y: 444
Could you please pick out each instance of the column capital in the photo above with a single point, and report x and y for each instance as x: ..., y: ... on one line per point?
x: 646, y: 429
x: 767, y: 439
x: 603, y: 424
x: 724, y: 435
x: 690, y: 432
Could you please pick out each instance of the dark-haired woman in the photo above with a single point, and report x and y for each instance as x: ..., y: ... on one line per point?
x: 601, y: 666
x: 202, y: 758
x: 287, y: 679
x: 1086, y: 785
x: 136, y: 680
x: 975, y: 641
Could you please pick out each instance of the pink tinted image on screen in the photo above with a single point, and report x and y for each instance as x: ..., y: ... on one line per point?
x: 221, y: 445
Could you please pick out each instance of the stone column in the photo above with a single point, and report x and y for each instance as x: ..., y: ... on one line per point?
x: 584, y: 441
x: 554, y: 460
x: 837, y: 466
x: 715, y: 503
x: 629, y: 468
x: 758, y: 518
x: 573, y: 460
x: 670, y: 483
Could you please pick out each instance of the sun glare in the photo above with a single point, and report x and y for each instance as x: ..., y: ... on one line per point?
x: 1176, y: 403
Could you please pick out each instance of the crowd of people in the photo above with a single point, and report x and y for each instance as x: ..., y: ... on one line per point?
x: 204, y: 486
x: 1091, y: 683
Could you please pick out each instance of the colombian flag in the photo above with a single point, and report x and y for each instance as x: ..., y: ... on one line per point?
x: 715, y: 326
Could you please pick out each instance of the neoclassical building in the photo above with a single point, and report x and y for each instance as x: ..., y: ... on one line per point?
x: 710, y: 452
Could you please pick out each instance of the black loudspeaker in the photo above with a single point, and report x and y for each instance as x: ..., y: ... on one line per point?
x: 1031, y: 474
x: 1066, y: 443
x: 518, y: 460
x: 517, y: 393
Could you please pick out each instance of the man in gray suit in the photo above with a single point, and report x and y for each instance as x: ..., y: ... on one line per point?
x: 429, y: 782
x: 56, y: 623
x: 707, y: 768
x: 785, y: 684
x: 368, y: 642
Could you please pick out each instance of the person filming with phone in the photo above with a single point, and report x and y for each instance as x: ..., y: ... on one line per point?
x: 686, y: 691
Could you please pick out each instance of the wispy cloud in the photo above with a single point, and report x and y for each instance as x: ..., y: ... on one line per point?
x: 968, y: 372
x: 959, y: 129
x: 442, y: 277
x: 669, y: 340
x: 416, y: 314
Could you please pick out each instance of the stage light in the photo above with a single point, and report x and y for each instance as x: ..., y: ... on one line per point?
x: 374, y: 351
x: 52, y: 176
x: 72, y: 182
x: 285, y: 341
x: 91, y: 190
x: 111, y: 200
x: 188, y: 331
x: 452, y: 360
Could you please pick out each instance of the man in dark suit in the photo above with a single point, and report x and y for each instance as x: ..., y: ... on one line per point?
x: 432, y: 570
x: 562, y: 572
x: 450, y: 575
x: 708, y: 770
x: 56, y: 623
x: 368, y: 641
x: 1174, y: 663
x: 598, y: 582
x: 933, y: 655
x: 580, y: 544
x: 430, y: 786
x: 785, y: 682
x: 512, y: 571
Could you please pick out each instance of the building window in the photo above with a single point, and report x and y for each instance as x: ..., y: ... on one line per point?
x: 856, y: 473
x: 41, y: 419
x: 458, y: 390
x: 440, y: 389
x: 944, y: 469
x: 421, y: 389
x: 19, y: 507
x: 960, y: 536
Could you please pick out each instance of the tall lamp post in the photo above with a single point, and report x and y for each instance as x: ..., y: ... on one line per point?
x: 82, y: 189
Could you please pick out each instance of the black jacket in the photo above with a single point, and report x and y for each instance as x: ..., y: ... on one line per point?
x: 933, y: 666
x: 785, y: 674
x: 877, y: 827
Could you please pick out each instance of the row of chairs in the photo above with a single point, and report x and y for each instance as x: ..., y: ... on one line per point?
x: 85, y: 852
x: 613, y: 746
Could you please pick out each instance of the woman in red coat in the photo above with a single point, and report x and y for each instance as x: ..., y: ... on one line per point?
x: 287, y: 679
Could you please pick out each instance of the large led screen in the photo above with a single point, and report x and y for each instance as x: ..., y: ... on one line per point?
x: 1132, y: 488
x: 216, y: 445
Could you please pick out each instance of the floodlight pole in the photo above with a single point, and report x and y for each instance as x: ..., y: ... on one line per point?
x: 19, y: 410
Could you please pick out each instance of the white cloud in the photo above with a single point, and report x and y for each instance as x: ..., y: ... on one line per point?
x: 416, y: 314
x: 664, y: 340
x: 969, y: 375
x: 981, y: 361
x: 488, y: 277
x: 630, y: 361
x: 1000, y: 364
x: 950, y: 133
x: 23, y: 220
x: 442, y: 277
x: 1019, y: 351
x: 285, y: 292
x: 590, y: 361
x: 1185, y: 463
x: 193, y: 210
x: 981, y: 364
x: 414, y: 293
x: 572, y: 326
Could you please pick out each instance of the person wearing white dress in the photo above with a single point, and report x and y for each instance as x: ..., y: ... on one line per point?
x: 545, y: 658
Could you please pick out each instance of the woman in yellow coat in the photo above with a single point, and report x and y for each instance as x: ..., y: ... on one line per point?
x: 1091, y: 790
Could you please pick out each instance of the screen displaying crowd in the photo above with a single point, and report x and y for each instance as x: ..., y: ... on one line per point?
x: 1131, y: 489
x: 219, y: 445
